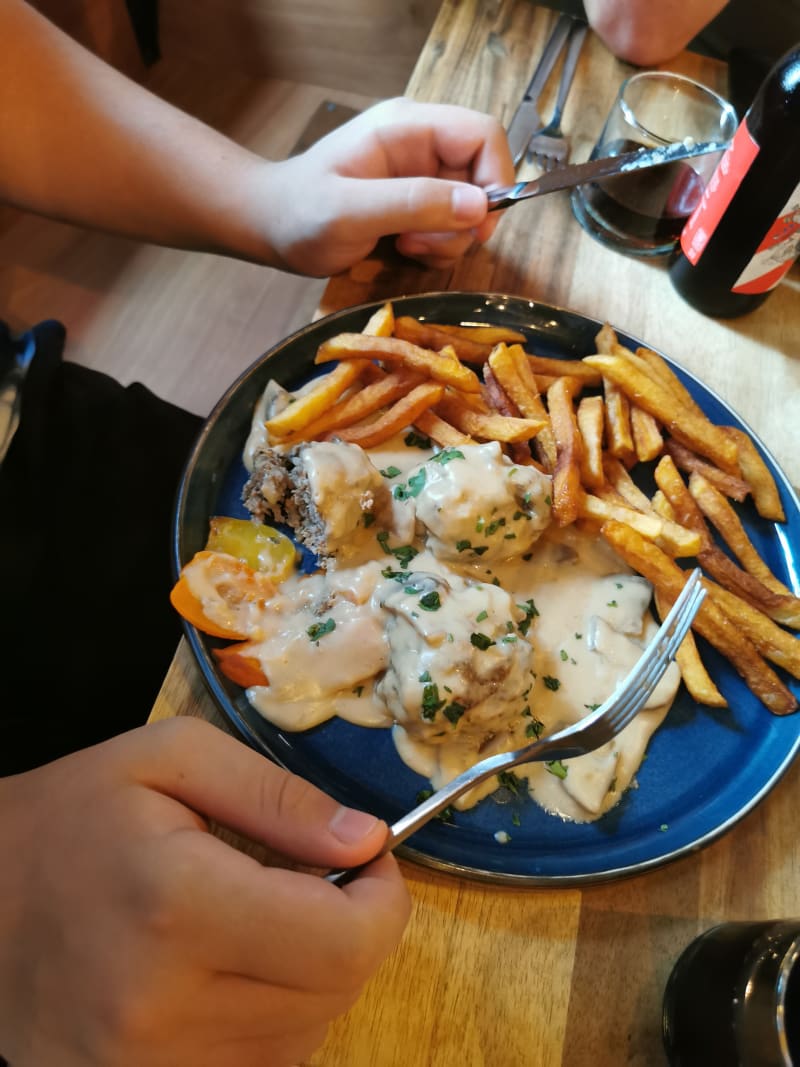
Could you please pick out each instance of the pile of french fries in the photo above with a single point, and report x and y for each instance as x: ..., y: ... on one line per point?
x: 588, y: 423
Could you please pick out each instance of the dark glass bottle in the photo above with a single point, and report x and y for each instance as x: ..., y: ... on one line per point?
x: 745, y: 233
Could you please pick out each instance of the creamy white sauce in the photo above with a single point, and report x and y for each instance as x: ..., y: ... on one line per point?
x: 464, y: 654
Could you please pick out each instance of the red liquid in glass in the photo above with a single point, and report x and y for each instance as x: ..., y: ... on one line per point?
x: 650, y: 205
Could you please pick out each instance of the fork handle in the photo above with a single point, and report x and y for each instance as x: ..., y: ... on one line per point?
x: 554, y: 747
x: 576, y: 38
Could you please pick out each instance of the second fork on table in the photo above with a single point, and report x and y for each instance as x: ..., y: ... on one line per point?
x: 549, y: 147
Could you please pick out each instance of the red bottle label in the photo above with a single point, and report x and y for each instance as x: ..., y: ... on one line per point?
x: 776, y: 253
x: 718, y: 194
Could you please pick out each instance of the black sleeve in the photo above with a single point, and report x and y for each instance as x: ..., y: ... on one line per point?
x: 86, y: 497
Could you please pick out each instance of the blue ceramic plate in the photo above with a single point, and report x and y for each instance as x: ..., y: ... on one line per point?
x: 705, y: 768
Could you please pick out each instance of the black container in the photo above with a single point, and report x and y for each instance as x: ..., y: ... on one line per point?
x: 733, y: 998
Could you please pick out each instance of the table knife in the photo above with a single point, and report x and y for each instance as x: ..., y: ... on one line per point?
x: 605, y: 167
x: 526, y: 120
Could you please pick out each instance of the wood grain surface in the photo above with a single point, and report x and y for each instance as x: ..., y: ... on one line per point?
x: 492, y: 976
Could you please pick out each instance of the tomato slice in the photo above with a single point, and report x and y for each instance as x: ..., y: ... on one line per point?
x: 221, y: 595
x: 261, y: 547
x: 242, y: 668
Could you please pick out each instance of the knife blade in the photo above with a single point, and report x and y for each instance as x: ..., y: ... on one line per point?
x: 605, y: 167
x: 526, y: 120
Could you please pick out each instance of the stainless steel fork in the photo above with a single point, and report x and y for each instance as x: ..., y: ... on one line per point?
x: 588, y: 734
x: 549, y: 147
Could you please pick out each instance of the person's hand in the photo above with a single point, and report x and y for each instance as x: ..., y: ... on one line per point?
x: 130, y: 936
x: 419, y: 171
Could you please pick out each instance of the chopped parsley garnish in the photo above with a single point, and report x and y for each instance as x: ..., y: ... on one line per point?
x: 416, y: 440
x: 391, y: 472
x: 481, y: 641
x: 509, y: 780
x: 557, y: 768
x: 319, y: 629
x: 515, y: 819
x: 446, y: 455
x: 430, y: 701
x: 534, y: 728
x: 397, y: 576
x: 383, y: 540
x: 430, y: 602
x: 462, y: 546
x: 404, y: 554
x: 368, y: 518
x: 454, y: 711
x: 424, y: 677
x: 531, y: 613
x: 483, y: 615
x: 417, y: 482
x: 551, y: 682
x: 612, y: 604
x: 592, y: 707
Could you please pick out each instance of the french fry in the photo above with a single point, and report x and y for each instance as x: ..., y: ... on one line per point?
x: 606, y: 507
x: 728, y: 524
x: 426, y: 335
x: 381, y: 322
x: 674, y: 538
x: 567, y: 490
x: 711, y: 622
x: 559, y: 368
x: 757, y: 475
x: 523, y: 393
x: 713, y: 560
x: 358, y: 346
x: 773, y: 642
x: 441, y: 431
x: 591, y: 421
x: 647, y: 439
x: 400, y: 415
x: 686, y: 426
x: 355, y: 407
x: 487, y: 427
x: 311, y: 405
x: 519, y: 451
x: 686, y: 460
x: 619, y: 476
x: 696, y: 678
x: 489, y: 335
x: 619, y: 434
x: 661, y: 506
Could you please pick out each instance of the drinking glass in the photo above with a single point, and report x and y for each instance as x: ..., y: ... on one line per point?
x: 643, y: 213
x: 733, y: 998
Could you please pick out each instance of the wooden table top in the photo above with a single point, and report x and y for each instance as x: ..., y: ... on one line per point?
x: 491, y: 975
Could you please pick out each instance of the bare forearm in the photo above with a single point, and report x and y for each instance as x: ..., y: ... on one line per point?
x: 80, y: 142
x: 648, y: 33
